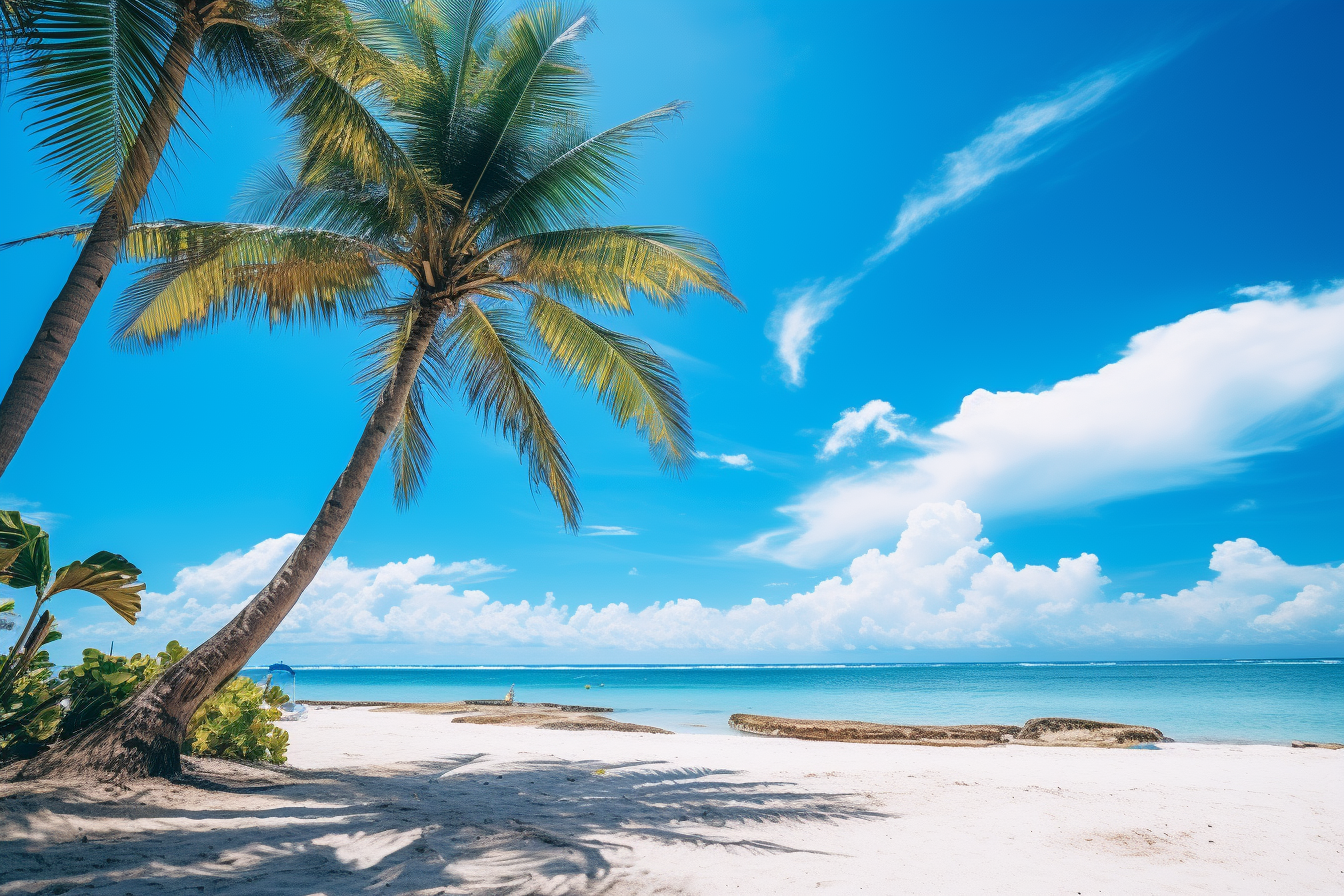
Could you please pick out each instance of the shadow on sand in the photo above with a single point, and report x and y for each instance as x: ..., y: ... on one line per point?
x: 467, y: 824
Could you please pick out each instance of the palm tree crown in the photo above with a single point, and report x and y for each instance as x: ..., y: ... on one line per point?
x: 446, y: 183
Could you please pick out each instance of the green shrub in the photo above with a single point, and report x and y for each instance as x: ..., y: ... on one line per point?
x: 102, y: 681
x: 236, y: 723
x: 31, y: 710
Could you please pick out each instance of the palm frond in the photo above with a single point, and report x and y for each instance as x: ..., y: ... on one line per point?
x: 576, y: 180
x: 486, y: 357
x: 337, y: 202
x: 90, y: 81
x: 603, y: 265
x: 535, y: 81
x: 76, y: 232
x: 410, y: 447
x: 629, y: 378
x: 204, y: 274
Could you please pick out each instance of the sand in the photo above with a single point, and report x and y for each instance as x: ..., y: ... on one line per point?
x: 395, y: 803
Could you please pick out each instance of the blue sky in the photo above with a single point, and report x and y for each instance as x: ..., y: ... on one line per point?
x: 1070, y: 177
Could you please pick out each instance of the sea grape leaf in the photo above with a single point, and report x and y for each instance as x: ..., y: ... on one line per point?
x: 109, y: 576
x: 25, y: 558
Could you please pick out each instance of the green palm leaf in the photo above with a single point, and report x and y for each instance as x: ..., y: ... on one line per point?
x: 603, y: 265
x: 536, y: 81
x: 409, y: 446
x: 90, y: 81
x: 485, y: 355
x: 206, y: 273
x: 628, y: 377
x: 576, y: 178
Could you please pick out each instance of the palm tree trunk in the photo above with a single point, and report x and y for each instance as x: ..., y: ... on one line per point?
x: 39, y: 368
x: 143, y: 738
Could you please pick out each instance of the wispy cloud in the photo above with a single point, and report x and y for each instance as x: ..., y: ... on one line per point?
x: 793, y: 324
x: 30, y: 512
x: 738, y: 461
x: 1012, y: 141
x: 853, y: 423
x: 608, y: 530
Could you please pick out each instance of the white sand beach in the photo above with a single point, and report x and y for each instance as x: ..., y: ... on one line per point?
x: 399, y: 803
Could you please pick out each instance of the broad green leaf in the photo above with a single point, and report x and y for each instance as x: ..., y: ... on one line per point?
x: 25, y: 560
x: 109, y: 576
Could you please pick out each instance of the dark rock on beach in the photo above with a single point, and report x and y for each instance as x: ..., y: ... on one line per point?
x: 1053, y: 732
x: 1048, y: 732
x: 1306, y: 745
x: 872, y: 732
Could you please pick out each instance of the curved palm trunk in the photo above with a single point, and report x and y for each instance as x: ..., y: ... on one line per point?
x: 38, y: 371
x: 143, y: 738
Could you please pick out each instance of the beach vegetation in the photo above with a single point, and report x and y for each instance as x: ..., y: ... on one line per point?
x: 446, y: 190
x: 238, y: 723
x: 29, y: 699
x: 46, y: 706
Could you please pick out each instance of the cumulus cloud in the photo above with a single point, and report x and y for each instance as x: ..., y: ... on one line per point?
x: 854, y: 422
x: 1010, y: 143
x: 738, y: 461
x: 1186, y: 402
x: 939, y: 587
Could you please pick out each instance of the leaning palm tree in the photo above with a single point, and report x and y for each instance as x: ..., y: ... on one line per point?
x: 451, y: 199
x: 105, y: 79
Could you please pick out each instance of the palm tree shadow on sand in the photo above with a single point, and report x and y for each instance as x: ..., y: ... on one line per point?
x: 468, y: 824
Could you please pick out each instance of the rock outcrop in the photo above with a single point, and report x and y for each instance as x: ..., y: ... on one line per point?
x: 872, y: 732
x: 1055, y: 732
x: 1046, y: 732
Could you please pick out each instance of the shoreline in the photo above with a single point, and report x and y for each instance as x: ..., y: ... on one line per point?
x: 405, y: 803
x: 462, y: 706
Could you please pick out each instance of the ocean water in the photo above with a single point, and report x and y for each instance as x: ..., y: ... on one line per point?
x: 1246, y: 701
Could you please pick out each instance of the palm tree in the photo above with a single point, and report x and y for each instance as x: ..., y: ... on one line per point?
x: 106, y: 78
x: 459, y: 177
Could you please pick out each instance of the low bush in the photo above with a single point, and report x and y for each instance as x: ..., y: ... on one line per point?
x: 102, y: 681
x: 237, y: 722
x: 30, y: 709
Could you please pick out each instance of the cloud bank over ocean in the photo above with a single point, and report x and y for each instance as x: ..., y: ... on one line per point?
x: 1186, y: 403
x: 940, y: 587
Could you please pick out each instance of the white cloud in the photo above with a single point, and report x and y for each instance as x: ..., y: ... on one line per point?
x: 1005, y: 147
x: 608, y: 530
x: 1187, y: 402
x: 1009, y: 144
x: 30, y: 512
x: 793, y: 324
x: 739, y: 461
x: 939, y: 587
x: 634, y: 571
x: 854, y: 422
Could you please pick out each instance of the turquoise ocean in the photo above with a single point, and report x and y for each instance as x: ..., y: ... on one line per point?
x: 1232, y: 701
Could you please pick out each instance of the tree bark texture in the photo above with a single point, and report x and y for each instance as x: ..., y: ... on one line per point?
x: 143, y: 738
x: 56, y: 336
